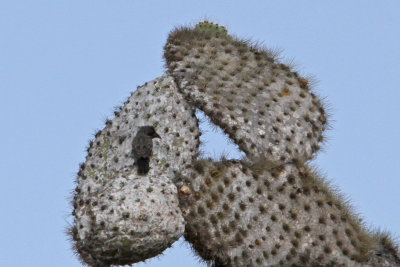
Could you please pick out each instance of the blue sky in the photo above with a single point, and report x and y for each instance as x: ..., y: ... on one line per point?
x: 64, y: 65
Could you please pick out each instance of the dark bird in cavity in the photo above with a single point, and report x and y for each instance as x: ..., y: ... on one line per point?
x: 142, y: 148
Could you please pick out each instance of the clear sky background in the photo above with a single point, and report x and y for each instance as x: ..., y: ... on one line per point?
x: 65, y: 64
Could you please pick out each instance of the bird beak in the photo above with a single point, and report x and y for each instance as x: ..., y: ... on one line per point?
x: 156, y: 135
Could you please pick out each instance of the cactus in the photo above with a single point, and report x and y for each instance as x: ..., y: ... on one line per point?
x: 240, y: 214
x: 266, y: 109
x: 121, y: 217
x: 272, y: 210
x: 269, y: 209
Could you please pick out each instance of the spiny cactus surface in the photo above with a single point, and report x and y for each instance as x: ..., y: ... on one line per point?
x: 270, y: 209
x: 267, y: 109
x: 122, y: 217
x: 241, y: 215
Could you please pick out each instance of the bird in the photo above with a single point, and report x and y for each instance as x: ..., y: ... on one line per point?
x: 142, y: 148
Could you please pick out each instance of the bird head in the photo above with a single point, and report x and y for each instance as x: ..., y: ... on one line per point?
x: 149, y: 131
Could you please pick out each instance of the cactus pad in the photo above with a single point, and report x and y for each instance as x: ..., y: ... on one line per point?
x: 265, y: 108
x: 241, y: 215
x: 123, y: 218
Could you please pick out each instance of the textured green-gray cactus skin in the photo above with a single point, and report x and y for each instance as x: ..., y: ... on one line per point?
x: 270, y: 209
x: 266, y: 109
x: 120, y: 216
x: 240, y: 215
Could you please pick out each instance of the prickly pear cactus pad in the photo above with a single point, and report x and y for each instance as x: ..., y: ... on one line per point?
x: 241, y: 215
x: 121, y: 217
x: 265, y: 107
